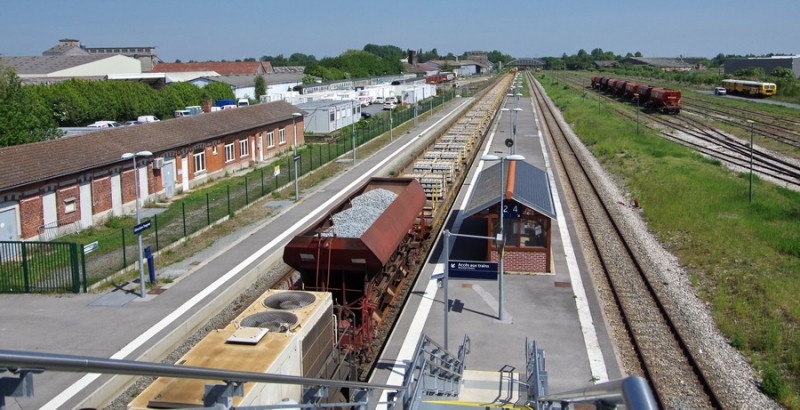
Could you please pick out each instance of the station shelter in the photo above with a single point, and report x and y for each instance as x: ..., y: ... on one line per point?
x: 527, y: 218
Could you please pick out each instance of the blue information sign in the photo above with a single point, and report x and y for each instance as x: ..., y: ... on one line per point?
x: 473, y: 270
x: 138, y: 228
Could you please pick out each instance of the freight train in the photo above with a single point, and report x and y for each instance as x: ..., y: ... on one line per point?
x: 354, y: 263
x: 656, y: 98
x: 362, y: 252
x: 371, y: 243
x: 750, y: 88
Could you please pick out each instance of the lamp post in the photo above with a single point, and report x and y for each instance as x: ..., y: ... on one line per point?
x: 516, y: 112
x: 511, y: 126
x: 501, y: 236
x: 132, y: 156
x: 751, y: 160
x: 353, y: 117
x: 294, y: 127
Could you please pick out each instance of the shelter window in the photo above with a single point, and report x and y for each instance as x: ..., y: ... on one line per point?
x: 270, y: 139
x: 282, y: 136
x: 243, y: 148
x: 534, y: 233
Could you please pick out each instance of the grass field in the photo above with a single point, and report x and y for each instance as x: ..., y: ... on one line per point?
x: 743, y: 258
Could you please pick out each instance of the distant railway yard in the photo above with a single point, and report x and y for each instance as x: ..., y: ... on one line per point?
x: 717, y: 130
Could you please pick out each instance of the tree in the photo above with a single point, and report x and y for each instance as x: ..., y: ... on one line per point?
x: 24, y: 115
x: 261, y: 86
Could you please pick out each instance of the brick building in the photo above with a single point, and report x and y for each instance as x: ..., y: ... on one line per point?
x: 52, y: 188
x: 528, y: 216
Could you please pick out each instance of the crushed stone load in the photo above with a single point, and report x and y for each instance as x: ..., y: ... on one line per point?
x: 365, y: 209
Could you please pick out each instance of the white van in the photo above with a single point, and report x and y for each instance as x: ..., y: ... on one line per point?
x: 147, y: 118
x: 243, y: 102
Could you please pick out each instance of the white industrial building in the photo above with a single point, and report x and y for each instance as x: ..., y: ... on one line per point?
x: 326, y: 116
x: 96, y: 66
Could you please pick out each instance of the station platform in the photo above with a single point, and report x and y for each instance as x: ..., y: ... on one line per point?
x: 558, y: 310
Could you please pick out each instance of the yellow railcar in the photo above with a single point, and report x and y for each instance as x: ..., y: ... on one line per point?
x: 750, y: 88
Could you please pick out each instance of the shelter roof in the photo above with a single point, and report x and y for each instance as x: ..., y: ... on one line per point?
x: 525, y: 184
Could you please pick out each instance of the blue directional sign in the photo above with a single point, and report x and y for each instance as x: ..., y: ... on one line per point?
x: 473, y: 270
x: 139, y: 228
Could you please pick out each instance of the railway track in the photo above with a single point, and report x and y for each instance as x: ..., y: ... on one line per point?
x: 663, y: 352
x: 704, y: 138
x: 768, y: 126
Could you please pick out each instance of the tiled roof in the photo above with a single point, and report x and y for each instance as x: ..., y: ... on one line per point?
x: 41, y: 161
x: 47, y: 64
x: 226, y: 68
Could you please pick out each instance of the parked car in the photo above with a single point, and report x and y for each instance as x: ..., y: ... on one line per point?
x: 378, y: 100
x: 104, y: 124
x: 147, y: 118
x: 392, y: 100
x: 134, y: 122
x: 389, y: 106
x: 720, y: 91
x: 365, y: 115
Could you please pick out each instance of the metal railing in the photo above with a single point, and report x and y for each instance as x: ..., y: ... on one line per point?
x: 633, y: 392
x: 25, y: 364
x: 433, y: 371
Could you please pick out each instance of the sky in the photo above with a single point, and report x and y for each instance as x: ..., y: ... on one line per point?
x: 203, y: 30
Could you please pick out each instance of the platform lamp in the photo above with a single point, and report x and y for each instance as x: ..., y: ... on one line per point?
x: 353, y: 119
x: 501, y: 239
x: 130, y: 155
x: 510, y: 125
x: 515, y: 112
x: 295, y: 115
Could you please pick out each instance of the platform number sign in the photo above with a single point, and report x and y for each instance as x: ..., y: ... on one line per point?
x: 512, y: 210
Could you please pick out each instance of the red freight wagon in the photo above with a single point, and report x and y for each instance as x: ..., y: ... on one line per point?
x: 312, y: 252
x: 619, y: 87
x: 666, y: 100
x: 631, y: 89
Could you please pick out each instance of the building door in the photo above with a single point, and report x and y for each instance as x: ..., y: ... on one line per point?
x: 8, y: 224
x: 168, y: 178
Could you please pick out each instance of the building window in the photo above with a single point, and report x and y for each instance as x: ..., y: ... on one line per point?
x: 200, y: 162
x: 282, y: 136
x: 69, y: 205
x: 333, y: 115
x: 270, y: 139
x: 230, y: 154
x: 244, y: 150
